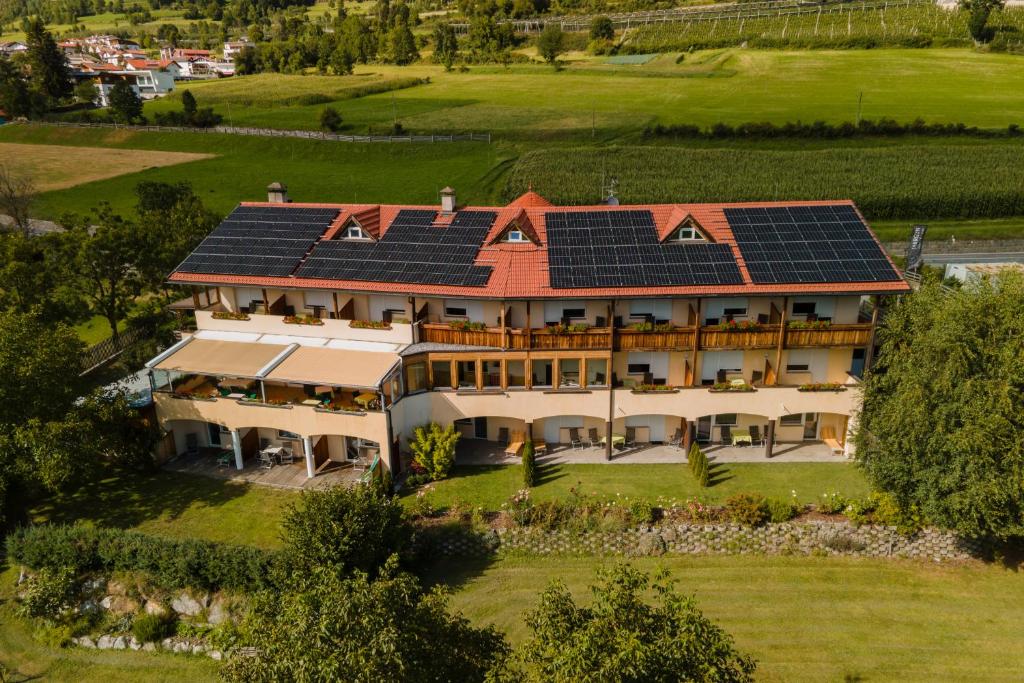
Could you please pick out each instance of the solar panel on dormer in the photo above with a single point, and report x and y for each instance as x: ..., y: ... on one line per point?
x: 259, y: 241
x: 412, y: 250
x: 621, y: 249
x: 808, y: 244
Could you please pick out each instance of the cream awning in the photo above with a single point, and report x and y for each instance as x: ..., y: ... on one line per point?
x: 335, y: 367
x: 222, y: 358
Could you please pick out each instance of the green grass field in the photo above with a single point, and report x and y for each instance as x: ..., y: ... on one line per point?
x: 106, y: 23
x: 489, y: 487
x: 178, y: 505
x: 95, y: 329
x: 803, y: 619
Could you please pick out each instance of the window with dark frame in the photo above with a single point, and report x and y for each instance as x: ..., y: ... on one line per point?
x: 795, y: 420
x: 804, y: 308
x: 638, y: 368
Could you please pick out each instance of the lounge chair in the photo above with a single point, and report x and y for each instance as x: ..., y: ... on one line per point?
x: 516, y: 444
x: 630, y: 437
x: 574, y: 438
x: 286, y: 457
x: 755, y: 436
x: 726, y: 435
x: 540, y: 446
x: 828, y: 436
x: 677, y: 438
x: 593, y: 438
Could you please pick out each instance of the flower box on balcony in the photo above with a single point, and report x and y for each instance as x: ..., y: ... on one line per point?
x: 192, y: 397
x: 575, y: 328
x: 302, y: 320
x: 369, y: 324
x: 651, y: 327
x: 809, y: 324
x: 739, y: 326
x: 230, y: 315
x: 654, y: 389
x: 729, y: 387
x: 467, y: 326
x: 339, y: 409
x: 822, y: 386
x: 272, y: 403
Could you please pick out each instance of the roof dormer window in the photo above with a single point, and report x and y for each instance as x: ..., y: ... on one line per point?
x: 687, y: 233
x: 514, y: 234
x: 354, y: 232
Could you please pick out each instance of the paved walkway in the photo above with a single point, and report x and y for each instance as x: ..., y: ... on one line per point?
x: 477, y: 452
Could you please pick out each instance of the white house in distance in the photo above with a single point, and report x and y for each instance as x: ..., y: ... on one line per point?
x: 231, y: 49
x: 9, y: 49
x: 154, y: 79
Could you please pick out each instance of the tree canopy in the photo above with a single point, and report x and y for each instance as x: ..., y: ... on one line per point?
x: 944, y: 406
x: 125, y: 103
x: 622, y: 638
x: 551, y: 43
x: 50, y: 71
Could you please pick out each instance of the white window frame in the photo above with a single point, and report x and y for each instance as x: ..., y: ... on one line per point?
x: 354, y: 232
x: 515, y: 235
x: 687, y: 233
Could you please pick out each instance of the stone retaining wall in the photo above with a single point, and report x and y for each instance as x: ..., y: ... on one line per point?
x: 807, y: 538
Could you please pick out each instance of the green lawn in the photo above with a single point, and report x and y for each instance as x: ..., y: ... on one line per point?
x: 967, y: 229
x: 591, y: 97
x: 178, y: 505
x: 803, y: 619
x: 24, y: 658
x: 489, y: 487
x: 95, y: 329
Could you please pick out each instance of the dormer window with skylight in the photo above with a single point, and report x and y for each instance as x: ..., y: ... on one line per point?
x: 515, y: 235
x: 687, y: 233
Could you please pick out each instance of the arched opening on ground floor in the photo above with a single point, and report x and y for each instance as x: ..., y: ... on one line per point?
x: 795, y: 436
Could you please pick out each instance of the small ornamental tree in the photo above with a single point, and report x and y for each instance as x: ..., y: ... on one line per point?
x: 125, y: 104
x: 189, y: 107
x: 330, y: 119
x: 699, y: 465
x: 529, y: 464
x: 433, y: 448
x: 446, y: 45
x: 601, y: 28
x: 344, y: 527
x: 977, y: 20
x: 619, y: 636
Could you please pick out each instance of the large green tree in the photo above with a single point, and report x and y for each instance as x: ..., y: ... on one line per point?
x: 335, y: 628
x: 125, y: 103
x: 978, y: 12
x: 446, y: 45
x: 51, y: 74
x: 620, y: 636
x: 943, y: 415
x: 16, y: 97
x: 551, y: 43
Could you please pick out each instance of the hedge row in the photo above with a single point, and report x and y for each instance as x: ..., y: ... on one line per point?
x: 171, y: 563
x: 821, y: 130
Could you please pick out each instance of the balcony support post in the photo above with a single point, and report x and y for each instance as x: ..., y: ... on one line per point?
x: 529, y: 328
x: 415, y: 323
x: 782, y: 343
x: 236, y: 446
x: 504, y: 327
x: 769, y: 439
x: 611, y: 324
x: 687, y: 435
x: 608, y: 424
x: 307, y: 450
x: 266, y: 302
x: 696, y: 347
x: 195, y: 298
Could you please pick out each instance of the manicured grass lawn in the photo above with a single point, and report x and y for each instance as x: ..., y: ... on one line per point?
x: 489, y: 487
x: 803, y: 619
x: 178, y: 505
x: 24, y: 658
x: 95, y: 329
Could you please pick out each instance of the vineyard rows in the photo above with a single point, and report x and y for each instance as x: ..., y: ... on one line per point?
x: 863, y: 24
x: 934, y: 181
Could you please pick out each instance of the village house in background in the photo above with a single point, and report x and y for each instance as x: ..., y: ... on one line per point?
x: 330, y: 331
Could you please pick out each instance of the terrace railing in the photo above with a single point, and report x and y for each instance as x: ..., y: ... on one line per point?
x: 679, y: 339
x: 713, y: 337
x: 835, y: 335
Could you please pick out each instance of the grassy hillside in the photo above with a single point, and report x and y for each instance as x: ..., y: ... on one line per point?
x: 592, y: 99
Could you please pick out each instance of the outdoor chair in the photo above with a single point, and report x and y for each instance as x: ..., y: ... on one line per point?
x: 755, y: 436
x: 677, y: 438
x: 721, y: 377
x: 503, y: 436
x: 286, y: 457
x: 630, y: 437
x: 574, y: 438
x: 266, y: 461
x: 726, y: 435
x: 593, y: 438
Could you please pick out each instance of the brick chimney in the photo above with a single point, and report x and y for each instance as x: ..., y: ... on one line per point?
x: 277, y: 193
x: 448, y: 200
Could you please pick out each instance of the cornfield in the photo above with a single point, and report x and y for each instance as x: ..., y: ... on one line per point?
x: 862, y: 24
x: 933, y: 181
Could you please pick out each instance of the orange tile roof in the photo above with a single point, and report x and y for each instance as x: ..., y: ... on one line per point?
x: 521, y: 270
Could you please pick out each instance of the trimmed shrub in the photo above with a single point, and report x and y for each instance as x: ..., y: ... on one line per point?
x: 49, y: 593
x: 171, y: 563
x: 641, y: 511
x: 149, y: 628
x: 782, y: 509
x: 529, y: 465
x: 433, y: 448
x: 699, y: 465
x: 749, y: 509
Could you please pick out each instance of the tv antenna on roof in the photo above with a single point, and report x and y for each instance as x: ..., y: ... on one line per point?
x: 609, y: 192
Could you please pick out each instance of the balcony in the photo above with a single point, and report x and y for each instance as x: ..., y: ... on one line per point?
x: 557, y: 338
x: 835, y: 335
x: 441, y: 333
x: 717, y: 337
x: 325, y: 328
x: 548, y: 338
x: 677, y: 339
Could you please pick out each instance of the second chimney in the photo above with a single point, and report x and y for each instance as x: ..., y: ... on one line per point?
x: 277, y: 193
x: 448, y: 200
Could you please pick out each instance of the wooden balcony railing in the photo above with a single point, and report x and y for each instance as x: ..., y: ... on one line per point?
x: 836, y: 335
x: 764, y: 337
x: 445, y: 334
x: 593, y: 338
x: 679, y: 339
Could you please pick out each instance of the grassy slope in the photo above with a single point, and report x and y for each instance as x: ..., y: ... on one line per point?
x: 178, y: 505
x: 535, y: 102
x: 803, y: 619
x: 491, y: 486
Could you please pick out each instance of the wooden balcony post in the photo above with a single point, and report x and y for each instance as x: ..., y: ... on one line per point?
x: 337, y: 311
x: 583, y: 372
x: 687, y: 435
x: 782, y: 342
x: 504, y: 373
x: 869, y: 354
x: 608, y: 424
x: 195, y: 298
x: 478, y: 366
x: 454, y: 365
x: 504, y: 327
x: 769, y: 439
x: 529, y: 328
x: 412, y: 319
x: 611, y: 324
x: 266, y: 302
x: 696, y: 347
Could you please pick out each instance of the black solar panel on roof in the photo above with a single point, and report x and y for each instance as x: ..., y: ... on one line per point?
x: 621, y: 249
x: 259, y: 240
x: 808, y: 244
x: 410, y: 251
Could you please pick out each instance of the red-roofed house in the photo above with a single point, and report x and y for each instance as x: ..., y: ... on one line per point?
x: 155, y: 79
x: 744, y: 324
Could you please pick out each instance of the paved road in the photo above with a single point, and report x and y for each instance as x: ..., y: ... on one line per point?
x: 976, y: 257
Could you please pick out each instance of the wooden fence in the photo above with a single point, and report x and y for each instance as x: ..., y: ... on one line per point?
x: 274, y: 132
x: 98, y: 354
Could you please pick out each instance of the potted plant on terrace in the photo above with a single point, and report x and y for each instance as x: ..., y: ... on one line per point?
x: 369, y: 324
x: 821, y: 386
x: 302, y: 320
x: 739, y: 387
x: 230, y: 315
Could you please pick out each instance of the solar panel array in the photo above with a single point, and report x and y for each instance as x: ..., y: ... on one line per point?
x: 410, y: 251
x: 256, y: 240
x: 621, y: 249
x: 802, y: 244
